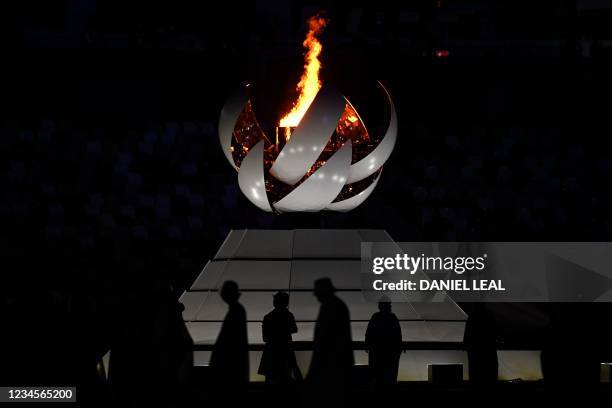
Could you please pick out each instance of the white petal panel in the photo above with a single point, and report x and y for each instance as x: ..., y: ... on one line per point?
x: 356, y: 200
x: 310, y: 137
x: 251, y: 177
x: 320, y: 189
x: 227, y: 121
x: 373, y: 161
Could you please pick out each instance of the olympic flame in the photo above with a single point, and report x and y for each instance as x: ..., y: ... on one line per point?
x: 309, y: 83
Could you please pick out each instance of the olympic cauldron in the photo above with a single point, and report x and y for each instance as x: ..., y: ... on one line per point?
x: 329, y: 161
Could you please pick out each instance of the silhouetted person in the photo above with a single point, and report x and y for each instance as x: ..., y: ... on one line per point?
x: 384, y: 344
x: 133, y: 357
x: 481, y: 345
x: 332, y: 353
x: 229, y: 361
x: 278, y: 362
x: 88, y: 342
x: 153, y: 352
x: 174, y: 350
x: 570, y: 353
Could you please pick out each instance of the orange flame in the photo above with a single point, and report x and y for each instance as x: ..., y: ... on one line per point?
x: 309, y: 83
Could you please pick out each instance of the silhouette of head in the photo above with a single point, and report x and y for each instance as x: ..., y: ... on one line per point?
x: 281, y: 300
x: 384, y: 306
x: 230, y: 292
x: 324, y: 289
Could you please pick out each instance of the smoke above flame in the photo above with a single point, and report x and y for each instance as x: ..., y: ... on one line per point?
x: 309, y: 83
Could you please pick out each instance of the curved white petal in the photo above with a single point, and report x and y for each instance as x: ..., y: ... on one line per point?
x: 227, y: 121
x: 310, y: 137
x: 373, y: 161
x: 356, y: 200
x: 251, y: 177
x: 320, y: 189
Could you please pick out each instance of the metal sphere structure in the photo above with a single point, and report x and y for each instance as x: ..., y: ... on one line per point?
x: 329, y: 161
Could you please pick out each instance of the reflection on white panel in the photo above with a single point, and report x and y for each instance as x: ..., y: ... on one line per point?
x: 213, y: 308
x: 255, y: 336
x: 310, y: 137
x: 430, y: 331
x: 203, y: 333
x: 230, y: 245
x: 320, y: 189
x: 262, y: 244
x: 260, y: 303
x: 305, y: 331
x: 192, y: 302
x: 207, y: 305
x: 259, y: 274
x: 201, y: 358
x: 358, y: 329
x: 447, y: 310
x: 605, y: 297
x: 272, y: 275
x: 316, y: 243
x: 605, y: 371
x: 305, y: 306
x: 254, y: 360
x: 416, y: 331
x: 302, y: 243
x: 106, y: 363
x: 371, y: 235
x: 523, y: 364
x: 251, y: 178
x: 303, y: 360
x: 257, y: 304
x: 344, y: 274
x: 361, y: 309
x: 206, y: 332
x: 413, y: 364
x: 446, y: 331
x: 304, y: 357
x: 209, y: 277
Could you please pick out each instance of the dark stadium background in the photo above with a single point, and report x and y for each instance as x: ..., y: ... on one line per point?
x: 114, y: 184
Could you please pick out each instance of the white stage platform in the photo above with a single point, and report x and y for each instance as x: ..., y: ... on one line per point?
x: 265, y: 261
